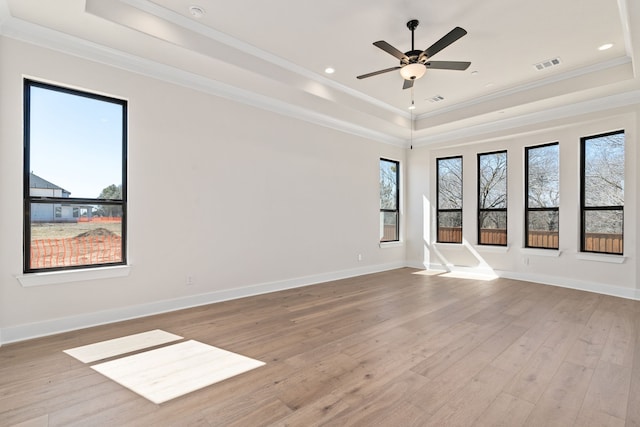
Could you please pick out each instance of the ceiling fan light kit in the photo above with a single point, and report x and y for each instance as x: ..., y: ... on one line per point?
x: 414, y: 63
x: 413, y: 71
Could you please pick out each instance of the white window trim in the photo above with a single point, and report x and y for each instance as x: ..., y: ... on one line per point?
x: 68, y: 276
x: 393, y: 244
x: 612, y: 259
x: 541, y: 252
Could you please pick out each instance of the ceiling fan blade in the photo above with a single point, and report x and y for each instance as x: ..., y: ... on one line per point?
x: 408, y: 84
x: 375, y: 73
x: 448, y: 65
x: 390, y: 49
x: 445, y: 41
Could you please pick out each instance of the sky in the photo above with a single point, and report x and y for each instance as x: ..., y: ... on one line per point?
x: 75, y: 141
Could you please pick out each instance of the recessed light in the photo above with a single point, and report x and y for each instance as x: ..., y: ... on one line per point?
x: 606, y: 46
x: 474, y: 73
x: 329, y: 70
x: 196, y: 11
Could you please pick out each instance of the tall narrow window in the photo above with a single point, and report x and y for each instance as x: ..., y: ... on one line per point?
x: 74, y: 178
x: 602, y: 193
x: 542, y: 186
x: 389, y: 200
x: 449, y: 191
x: 492, y: 198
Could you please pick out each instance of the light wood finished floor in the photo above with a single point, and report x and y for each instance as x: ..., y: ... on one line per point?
x: 400, y: 348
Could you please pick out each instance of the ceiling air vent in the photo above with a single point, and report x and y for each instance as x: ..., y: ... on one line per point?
x: 436, y: 98
x: 547, y: 64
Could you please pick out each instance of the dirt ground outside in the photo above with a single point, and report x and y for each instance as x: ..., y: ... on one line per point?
x: 55, y: 245
x: 66, y: 230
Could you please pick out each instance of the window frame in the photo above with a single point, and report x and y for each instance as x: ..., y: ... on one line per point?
x: 29, y: 199
x: 527, y: 208
x: 449, y: 210
x: 584, y: 209
x: 487, y: 210
x: 397, y: 202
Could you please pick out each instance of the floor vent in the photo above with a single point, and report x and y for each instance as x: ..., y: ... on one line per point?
x: 547, y: 64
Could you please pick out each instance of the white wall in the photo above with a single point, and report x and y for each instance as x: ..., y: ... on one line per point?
x: 568, y: 268
x: 242, y: 199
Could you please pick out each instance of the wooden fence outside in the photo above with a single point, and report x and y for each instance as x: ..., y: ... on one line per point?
x: 594, y: 242
x: 543, y: 239
x: 75, y: 251
x: 604, y: 242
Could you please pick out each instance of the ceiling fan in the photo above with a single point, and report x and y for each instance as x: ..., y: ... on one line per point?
x: 414, y: 63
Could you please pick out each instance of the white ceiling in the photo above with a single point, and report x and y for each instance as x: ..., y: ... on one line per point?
x: 273, y: 55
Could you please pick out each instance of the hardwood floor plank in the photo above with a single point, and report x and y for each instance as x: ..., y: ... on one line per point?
x: 505, y: 411
x: 534, y: 377
x: 398, y: 348
x: 562, y: 400
x: 588, y: 348
x: 472, y: 400
x: 609, y: 389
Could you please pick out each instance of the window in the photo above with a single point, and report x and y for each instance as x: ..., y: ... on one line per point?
x: 75, y: 146
x: 389, y: 201
x: 449, y: 199
x: 492, y: 198
x: 542, y: 186
x: 602, y: 193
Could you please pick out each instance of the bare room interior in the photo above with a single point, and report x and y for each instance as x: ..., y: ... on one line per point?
x: 393, y: 213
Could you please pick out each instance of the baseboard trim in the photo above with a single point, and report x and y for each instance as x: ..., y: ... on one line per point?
x: 563, y: 282
x: 581, y: 285
x: 55, y: 326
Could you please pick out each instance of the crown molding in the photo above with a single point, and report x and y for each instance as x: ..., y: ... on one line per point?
x: 213, y: 34
x: 47, y: 38
x: 566, y: 111
x: 530, y: 86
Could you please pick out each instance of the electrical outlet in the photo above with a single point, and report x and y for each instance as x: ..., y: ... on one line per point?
x: 359, y: 257
x: 190, y: 281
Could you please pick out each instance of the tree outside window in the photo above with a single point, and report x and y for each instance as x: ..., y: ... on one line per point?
x: 492, y: 198
x: 602, y: 193
x: 542, y: 186
x: 449, y: 199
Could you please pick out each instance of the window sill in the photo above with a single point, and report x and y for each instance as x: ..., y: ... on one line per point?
x: 57, y: 277
x: 613, y: 259
x: 384, y: 245
x: 492, y: 248
x: 541, y: 252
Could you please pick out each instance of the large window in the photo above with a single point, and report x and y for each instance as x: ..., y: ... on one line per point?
x: 602, y: 193
x: 75, y: 186
x: 542, y: 186
x: 492, y: 198
x: 449, y: 194
x: 389, y: 200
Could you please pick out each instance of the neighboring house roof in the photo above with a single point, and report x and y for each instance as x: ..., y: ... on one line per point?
x: 36, y: 182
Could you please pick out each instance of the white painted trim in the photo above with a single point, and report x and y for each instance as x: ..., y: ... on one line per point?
x: 541, y: 252
x: 566, y: 111
x: 68, y: 276
x: 384, y: 245
x: 613, y: 259
x: 70, y: 45
x: 582, y: 285
x: 534, y: 85
x: 492, y: 248
x: 563, y: 282
x: 54, y: 326
x: 192, y: 25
